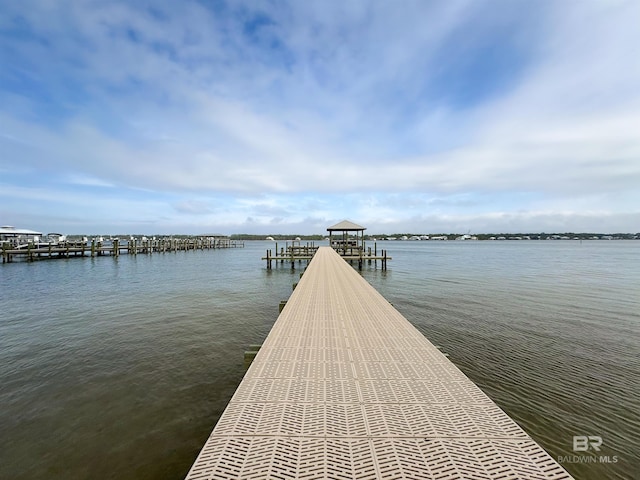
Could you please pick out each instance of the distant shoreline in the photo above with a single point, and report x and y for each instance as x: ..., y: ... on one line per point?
x: 404, y: 236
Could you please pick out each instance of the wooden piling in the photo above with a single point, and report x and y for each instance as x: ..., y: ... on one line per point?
x: 250, y: 354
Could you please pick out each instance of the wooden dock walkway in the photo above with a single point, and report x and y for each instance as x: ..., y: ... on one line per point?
x: 115, y: 248
x: 304, y: 253
x: 344, y: 387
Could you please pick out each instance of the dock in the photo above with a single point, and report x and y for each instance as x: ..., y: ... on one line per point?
x: 344, y: 387
x: 349, y: 243
x: 116, y: 247
x: 295, y: 252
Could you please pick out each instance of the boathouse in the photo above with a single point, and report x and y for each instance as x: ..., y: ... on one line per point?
x: 15, y: 236
x: 343, y: 239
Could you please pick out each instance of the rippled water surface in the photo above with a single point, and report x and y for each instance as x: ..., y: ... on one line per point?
x: 119, y: 368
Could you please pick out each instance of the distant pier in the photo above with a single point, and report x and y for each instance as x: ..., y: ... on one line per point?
x: 116, y: 247
x: 349, y: 245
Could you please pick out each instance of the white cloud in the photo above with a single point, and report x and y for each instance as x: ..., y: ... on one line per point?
x: 193, y: 207
x: 86, y: 180
x: 327, y: 100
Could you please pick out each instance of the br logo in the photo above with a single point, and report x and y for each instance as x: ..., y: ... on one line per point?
x: 582, y: 443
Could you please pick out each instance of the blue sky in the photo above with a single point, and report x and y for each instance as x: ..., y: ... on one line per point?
x: 286, y: 117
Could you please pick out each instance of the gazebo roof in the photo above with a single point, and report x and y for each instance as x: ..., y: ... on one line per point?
x: 346, y: 226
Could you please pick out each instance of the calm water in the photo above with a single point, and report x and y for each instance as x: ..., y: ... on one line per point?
x: 119, y: 368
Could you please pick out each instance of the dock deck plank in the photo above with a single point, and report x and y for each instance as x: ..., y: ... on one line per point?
x: 345, y: 387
